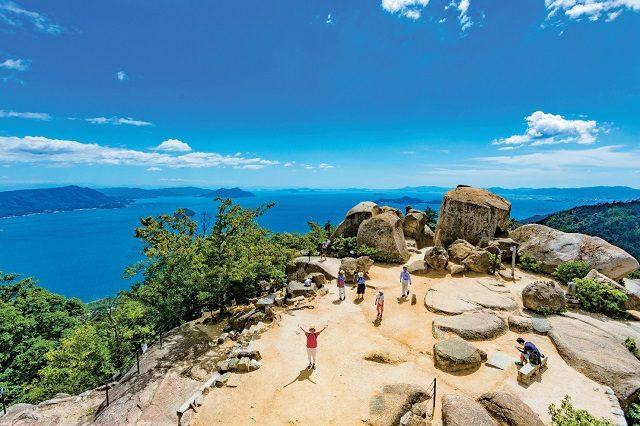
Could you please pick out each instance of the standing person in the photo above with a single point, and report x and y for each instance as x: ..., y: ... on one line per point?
x: 325, y: 249
x: 380, y: 304
x: 312, y: 344
x: 405, y: 280
x: 361, y: 285
x: 327, y: 228
x: 528, y: 352
x: 341, y: 281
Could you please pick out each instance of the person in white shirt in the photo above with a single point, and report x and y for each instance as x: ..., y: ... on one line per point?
x: 405, y: 280
x: 380, y: 303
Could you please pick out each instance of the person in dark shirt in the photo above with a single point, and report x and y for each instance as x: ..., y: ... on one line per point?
x: 528, y: 352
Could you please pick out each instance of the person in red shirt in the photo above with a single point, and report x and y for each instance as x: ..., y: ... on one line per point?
x: 312, y: 344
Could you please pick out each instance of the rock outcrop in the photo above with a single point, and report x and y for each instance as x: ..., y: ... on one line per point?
x: 509, y: 410
x: 351, y: 223
x: 480, y: 325
x: 304, y: 265
x: 458, y: 410
x: 472, y: 258
x: 452, y: 297
x: 456, y: 354
x: 544, y: 295
x: 471, y: 214
x: 394, y: 402
x: 553, y: 247
x: 494, y: 244
x: 436, y: 258
x: 415, y: 226
x: 384, y: 233
x: 633, y: 298
x: 351, y: 265
x: 596, y: 349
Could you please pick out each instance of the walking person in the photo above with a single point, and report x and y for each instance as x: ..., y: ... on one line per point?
x: 361, y: 285
x: 324, y: 250
x: 380, y: 304
x: 312, y: 344
x: 405, y: 280
x: 341, y: 281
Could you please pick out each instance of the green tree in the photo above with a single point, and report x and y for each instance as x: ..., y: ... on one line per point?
x: 432, y: 218
x: 567, y: 415
x: 81, y: 362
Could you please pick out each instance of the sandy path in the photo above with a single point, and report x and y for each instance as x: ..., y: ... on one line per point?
x: 338, y: 392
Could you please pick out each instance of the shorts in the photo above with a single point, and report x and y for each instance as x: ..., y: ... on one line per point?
x: 360, y: 289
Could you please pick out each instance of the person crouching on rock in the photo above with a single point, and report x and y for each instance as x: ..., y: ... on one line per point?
x: 380, y: 303
x: 312, y: 344
x: 341, y: 281
x: 361, y: 285
x: 528, y: 352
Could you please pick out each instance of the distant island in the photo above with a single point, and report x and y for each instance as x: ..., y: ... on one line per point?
x: 228, y: 193
x: 49, y: 200
x: 137, y: 193
x: 401, y: 200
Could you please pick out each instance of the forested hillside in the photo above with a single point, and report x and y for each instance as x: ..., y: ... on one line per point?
x: 618, y: 223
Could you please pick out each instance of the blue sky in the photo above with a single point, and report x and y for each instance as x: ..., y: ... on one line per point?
x: 376, y: 93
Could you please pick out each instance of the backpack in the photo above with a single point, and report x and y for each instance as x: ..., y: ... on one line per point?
x: 361, y: 280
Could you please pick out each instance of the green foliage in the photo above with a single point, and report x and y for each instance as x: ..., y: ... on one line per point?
x: 630, y: 343
x: 81, y: 362
x: 528, y: 263
x: 567, y: 415
x: 543, y: 310
x: 513, y: 224
x: 596, y: 297
x: 348, y: 247
x: 569, y: 271
x: 618, y: 223
x: 634, y: 415
x: 635, y: 275
x: 495, y: 260
x: 432, y: 218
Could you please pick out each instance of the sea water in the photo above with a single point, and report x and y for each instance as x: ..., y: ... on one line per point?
x: 84, y: 253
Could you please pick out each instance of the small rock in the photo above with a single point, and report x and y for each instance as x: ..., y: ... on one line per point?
x: 414, y: 299
x: 454, y: 268
x: 404, y: 420
x: 244, y: 364
x: 254, y: 365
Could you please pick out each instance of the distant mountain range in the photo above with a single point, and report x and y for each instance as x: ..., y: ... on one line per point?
x: 617, y: 223
x: 30, y: 201
x: 67, y: 198
x: 405, y: 200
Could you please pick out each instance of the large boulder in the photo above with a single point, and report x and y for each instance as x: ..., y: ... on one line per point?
x: 351, y: 223
x: 452, y: 297
x: 458, y: 410
x: 296, y: 288
x: 456, y: 354
x: 503, y: 245
x: 596, y: 349
x: 415, y: 226
x: 384, y: 233
x: 479, y: 325
x: 633, y: 298
x: 544, y: 295
x: 436, y: 258
x: 472, y: 258
x: 471, y: 214
x: 509, y: 410
x: 351, y: 265
x: 394, y: 401
x: 553, y: 247
x: 304, y: 265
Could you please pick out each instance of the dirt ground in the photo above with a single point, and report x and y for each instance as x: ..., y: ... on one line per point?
x: 283, y: 391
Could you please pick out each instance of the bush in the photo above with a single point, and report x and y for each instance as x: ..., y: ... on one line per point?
x: 635, y: 275
x: 634, y: 415
x: 596, y: 297
x: 348, y: 247
x: 630, y: 343
x: 495, y: 260
x: 567, y: 415
x: 568, y: 271
x: 528, y: 263
x: 543, y: 310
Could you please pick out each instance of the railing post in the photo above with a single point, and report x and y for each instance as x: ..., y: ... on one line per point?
x: 138, y: 362
x: 4, y: 404
x: 160, y: 339
x: 435, y: 385
x: 106, y: 389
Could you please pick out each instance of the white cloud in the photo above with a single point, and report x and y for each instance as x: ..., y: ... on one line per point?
x: 411, y: 9
x: 122, y: 76
x: 590, y: 9
x: 117, y: 121
x: 329, y: 19
x: 325, y: 166
x: 463, y: 17
x: 55, y: 152
x: 154, y: 169
x: 175, y: 145
x: 289, y: 163
x: 15, y: 64
x: 28, y: 115
x: 550, y: 129
x: 14, y: 15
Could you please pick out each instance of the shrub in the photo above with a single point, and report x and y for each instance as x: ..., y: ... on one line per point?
x: 567, y: 415
x: 635, y: 275
x: 596, y: 297
x: 543, y: 310
x: 495, y: 259
x: 630, y: 343
x: 348, y: 247
x: 528, y: 263
x: 568, y: 271
x: 634, y: 415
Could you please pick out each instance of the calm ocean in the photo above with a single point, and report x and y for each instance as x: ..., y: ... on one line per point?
x: 84, y: 253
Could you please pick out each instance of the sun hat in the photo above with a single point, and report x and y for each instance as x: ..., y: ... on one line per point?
x: 341, y: 271
x: 360, y: 274
x: 312, y: 328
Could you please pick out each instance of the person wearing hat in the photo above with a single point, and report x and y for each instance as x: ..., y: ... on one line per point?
x: 405, y: 280
x: 312, y: 344
x: 341, y: 281
x: 380, y: 303
x: 361, y: 285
